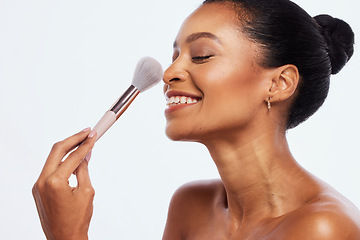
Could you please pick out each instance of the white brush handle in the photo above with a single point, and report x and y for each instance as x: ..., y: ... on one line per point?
x: 105, y: 123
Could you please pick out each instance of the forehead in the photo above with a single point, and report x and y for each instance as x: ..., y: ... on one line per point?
x: 214, y: 18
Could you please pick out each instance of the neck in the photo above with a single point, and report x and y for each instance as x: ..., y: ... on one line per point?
x: 260, y: 176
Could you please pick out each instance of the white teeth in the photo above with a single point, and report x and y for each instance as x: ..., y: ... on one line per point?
x: 183, y: 99
x: 180, y: 100
x: 171, y: 100
x: 177, y: 99
x: 168, y: 101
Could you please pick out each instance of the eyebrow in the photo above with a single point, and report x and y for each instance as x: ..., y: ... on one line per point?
x: 195, y: 36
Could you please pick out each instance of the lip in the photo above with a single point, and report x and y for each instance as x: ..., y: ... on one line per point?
x: 176, y: 107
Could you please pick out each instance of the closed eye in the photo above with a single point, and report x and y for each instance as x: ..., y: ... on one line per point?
x: 201, y: 59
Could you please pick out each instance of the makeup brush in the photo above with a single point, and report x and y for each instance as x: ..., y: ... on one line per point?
x: 148, y: 72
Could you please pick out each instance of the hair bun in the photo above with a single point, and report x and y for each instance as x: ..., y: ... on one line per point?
x: 340, y: 39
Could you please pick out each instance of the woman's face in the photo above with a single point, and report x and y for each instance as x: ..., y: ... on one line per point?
x: 214, y: 88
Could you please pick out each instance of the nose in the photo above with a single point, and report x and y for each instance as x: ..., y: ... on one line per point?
x: 175, y: 73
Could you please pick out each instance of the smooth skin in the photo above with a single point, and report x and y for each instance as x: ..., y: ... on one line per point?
x: 263, y: 193
x: 65, y: 212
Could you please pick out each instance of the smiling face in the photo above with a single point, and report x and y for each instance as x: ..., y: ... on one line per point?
x: 214, y: 87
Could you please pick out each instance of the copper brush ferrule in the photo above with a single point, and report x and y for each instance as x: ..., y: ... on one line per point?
x: 124, y: 101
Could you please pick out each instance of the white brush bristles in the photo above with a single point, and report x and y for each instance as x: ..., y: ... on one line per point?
x: 148, y: 72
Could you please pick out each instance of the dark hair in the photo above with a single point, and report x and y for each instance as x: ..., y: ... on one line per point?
x: 318, y: 47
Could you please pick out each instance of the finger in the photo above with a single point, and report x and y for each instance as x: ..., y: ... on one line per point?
x: 73, y: 161
x: 87, y: 158
x: 60, y: 149
x: 84, y: 187
x: 83, y: 177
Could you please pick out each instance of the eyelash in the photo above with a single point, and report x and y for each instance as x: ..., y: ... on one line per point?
x: 201, y: 58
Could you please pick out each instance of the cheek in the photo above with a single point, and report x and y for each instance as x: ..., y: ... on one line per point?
x: 231, y: 95
x: 230, y: 85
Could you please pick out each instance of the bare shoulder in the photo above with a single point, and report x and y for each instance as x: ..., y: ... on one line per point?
x: 191, y: 205
x: 328, y: 217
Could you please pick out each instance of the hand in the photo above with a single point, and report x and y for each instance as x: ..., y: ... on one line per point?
x: 65, y: 212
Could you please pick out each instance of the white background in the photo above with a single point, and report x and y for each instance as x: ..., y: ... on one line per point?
x: 63, y: 63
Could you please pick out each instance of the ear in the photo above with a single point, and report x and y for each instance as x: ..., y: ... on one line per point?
x: 284, y: 83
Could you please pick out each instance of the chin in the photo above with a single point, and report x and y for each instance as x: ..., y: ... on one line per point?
x: 179, y: 134
x: 176, y: 135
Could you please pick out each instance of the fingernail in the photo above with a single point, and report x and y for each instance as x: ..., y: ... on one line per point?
x: 91, y: 134
x: 86, y: 129
x: 88, y: 156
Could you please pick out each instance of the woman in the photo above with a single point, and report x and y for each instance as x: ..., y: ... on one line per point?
x: 243, y: 73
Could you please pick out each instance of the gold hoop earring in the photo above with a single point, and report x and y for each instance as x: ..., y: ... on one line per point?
x: 268, y: 104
